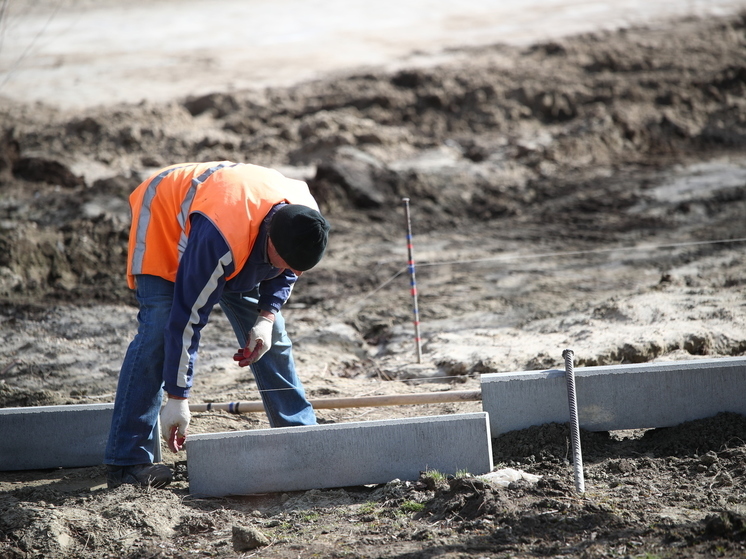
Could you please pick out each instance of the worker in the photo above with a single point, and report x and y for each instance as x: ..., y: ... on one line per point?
x: 202, y: 234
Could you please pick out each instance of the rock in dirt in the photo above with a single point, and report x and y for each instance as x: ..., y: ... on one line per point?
x: 727, y: 524
x: 505, y: 476
x: 467, y: 499
x: 36, y: 169
x: 357, y: 173
x: 246, y: 538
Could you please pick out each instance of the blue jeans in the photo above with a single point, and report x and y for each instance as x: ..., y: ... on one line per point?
x: 133, y: 436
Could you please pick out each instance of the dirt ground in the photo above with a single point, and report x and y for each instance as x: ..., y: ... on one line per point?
x: 587, y: 193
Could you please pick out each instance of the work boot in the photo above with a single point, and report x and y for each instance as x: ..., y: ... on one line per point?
x: 144, y: 475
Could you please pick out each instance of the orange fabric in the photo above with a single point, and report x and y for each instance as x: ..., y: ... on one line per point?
x: 236, y: 198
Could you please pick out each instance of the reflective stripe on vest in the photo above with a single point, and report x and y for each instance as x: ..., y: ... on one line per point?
x: 143, y: 222
x: 235, y: 197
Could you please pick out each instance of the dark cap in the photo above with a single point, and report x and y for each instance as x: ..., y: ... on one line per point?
x: 300, y: 235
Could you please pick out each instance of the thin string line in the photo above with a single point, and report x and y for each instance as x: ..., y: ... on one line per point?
x: 370, y: 294
x: 437, y: 379
x: 505, y: 257
x: 511, y: 257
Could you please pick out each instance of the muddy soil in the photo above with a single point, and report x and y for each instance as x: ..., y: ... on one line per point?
x: 585, y: 193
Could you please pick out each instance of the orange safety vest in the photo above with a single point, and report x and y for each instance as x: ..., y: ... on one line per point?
x: 236, y: 197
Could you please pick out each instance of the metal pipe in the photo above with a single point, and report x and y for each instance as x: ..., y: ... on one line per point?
x: 352, y: 402
x: 577, y: 454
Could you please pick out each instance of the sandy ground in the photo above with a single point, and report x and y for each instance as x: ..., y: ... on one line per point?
x: 584, y: 192
x: 83, y: 53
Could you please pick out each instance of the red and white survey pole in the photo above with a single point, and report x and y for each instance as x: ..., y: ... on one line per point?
x: 413, y: 282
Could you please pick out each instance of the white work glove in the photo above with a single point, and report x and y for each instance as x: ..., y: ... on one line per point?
x: 259, y: 342
x: 175, y: 417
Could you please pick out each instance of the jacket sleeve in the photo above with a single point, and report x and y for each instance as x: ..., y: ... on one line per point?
x: 204, y: 265
x: 274, y: 292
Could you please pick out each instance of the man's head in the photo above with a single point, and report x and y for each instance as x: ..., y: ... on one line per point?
x: 299, y: 235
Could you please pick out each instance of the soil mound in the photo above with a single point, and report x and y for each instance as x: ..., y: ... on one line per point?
x: 511, y: 134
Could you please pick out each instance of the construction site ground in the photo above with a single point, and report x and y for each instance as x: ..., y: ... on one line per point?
x: 585, y: 193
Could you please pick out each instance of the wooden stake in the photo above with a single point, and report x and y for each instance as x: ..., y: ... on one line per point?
x: 352, y: 402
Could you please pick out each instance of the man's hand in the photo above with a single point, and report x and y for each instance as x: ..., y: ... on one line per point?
x: 175, y: 417
x: 260, y: 340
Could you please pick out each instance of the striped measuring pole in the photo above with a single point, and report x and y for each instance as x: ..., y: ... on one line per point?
x: 413, y: 282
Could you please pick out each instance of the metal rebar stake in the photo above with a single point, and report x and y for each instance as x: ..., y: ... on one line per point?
x: 413, y: 282
x: 577, y: 454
